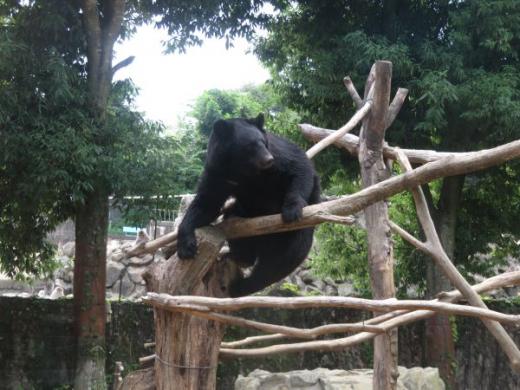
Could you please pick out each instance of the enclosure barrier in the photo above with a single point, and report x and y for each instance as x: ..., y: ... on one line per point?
x: 190, y: 298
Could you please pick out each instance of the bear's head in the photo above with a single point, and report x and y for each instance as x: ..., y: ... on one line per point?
x: 239, y: 147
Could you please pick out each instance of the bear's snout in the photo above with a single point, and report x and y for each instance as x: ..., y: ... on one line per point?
x: 266, y: 162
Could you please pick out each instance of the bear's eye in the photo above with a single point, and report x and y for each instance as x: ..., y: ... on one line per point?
x: 250, y: 147
x: 253, y: 146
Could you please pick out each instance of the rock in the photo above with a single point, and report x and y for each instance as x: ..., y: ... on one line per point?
x: 136, y: 275
x: 136, y: 260
x: 113, y: 245
x: 330, y: 290
x: 328, y: 280
x: 140, y: 291
x: 140, y: 261
x: 57, y: 293
x: 325, y: 379
x: 66, y: 270
x: 345, y: 289
x: 124, y: 286
x: 116, y: 256
x: 65, y: 261
x: 67, y: 287
x: 307, y: 276
x: 299, y: 282
x: 421, y: 378
x: 319, y: 284
x: 69, y: 249
x: 118, y: 267
x: 114, y: 272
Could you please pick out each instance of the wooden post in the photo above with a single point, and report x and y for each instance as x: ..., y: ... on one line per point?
x: 380, y: 248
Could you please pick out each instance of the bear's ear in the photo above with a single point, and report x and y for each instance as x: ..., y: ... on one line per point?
x: 259, y: 121
x: 222, y: 129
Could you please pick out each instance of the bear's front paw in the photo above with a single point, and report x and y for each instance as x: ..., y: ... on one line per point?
x: 187, y: 246
x: 292, y: 212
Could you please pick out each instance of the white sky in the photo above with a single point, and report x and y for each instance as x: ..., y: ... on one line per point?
x: 169, y: 83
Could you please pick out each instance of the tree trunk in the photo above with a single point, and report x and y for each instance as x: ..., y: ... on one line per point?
x: 440, y: 348
x: 102, y: 28
x: 187, y: 347
x: 380, y: 248
x: 89, y: 290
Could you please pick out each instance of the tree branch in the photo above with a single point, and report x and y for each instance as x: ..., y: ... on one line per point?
x: 162, y: 301
x: 330, y: 139
x: 407, y: 236
x: 252, y: 340
x: 387, y: 321
x: 200, y: 306
x: 350, y: 142
x: 401, y: 317
x: 353, y: 92
x: 315, y: 332
x: 351, y: 204
x: 127, y: 61
x: 396, y: 105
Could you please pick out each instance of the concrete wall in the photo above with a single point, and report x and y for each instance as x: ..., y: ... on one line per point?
x: 37, y: 350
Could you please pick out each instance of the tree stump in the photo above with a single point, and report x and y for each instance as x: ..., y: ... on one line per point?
x: 186, y: 347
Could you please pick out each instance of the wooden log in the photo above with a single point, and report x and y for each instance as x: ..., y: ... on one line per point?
x: 187, y: 347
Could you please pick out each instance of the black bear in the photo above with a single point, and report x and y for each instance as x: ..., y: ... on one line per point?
x: 266, y: 174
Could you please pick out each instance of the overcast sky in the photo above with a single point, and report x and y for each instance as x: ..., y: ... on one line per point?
x: 169, y: 83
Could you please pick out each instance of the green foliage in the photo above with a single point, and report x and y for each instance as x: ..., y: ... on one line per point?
x: 340, y: 253
x: 216, y: 104
x: 410, y: 264
x: 290, y: 287
x: 188, y: 21
x: 43, y: 132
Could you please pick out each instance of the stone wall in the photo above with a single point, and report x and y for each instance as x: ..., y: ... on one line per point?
x: 36, y: 345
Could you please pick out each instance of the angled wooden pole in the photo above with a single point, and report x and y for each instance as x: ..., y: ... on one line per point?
x: 434, y: 248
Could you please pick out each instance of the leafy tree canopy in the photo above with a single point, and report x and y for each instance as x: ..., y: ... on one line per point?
x: 52, y: 153
x: 460, y: 62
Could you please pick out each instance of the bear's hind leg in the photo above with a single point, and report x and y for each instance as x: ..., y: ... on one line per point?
x: 243, y: 251
x: 278, y: 256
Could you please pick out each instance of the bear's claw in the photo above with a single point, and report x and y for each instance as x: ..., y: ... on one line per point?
x: 291, y: 214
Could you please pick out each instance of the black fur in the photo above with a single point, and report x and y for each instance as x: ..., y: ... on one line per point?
x: 267, y: 175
